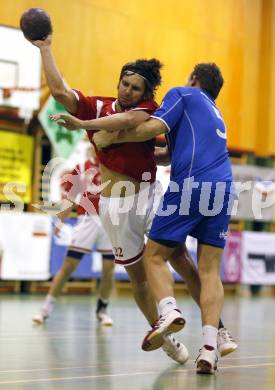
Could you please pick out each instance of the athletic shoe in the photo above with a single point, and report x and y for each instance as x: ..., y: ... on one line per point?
x: 104, y: 319
x: 207, y: 360
x: 175, y: 350
x: 41, y: 317
x: 171, y: 322
x: 226, y: 343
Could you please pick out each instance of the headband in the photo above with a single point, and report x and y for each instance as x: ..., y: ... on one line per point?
x: 130, y: 73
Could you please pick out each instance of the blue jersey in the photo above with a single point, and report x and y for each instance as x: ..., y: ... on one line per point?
x: 196, y: 136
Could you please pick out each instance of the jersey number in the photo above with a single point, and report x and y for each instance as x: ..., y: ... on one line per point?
x: 118, y: 251
x: 220, y: 133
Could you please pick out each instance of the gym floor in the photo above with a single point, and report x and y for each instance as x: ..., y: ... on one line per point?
x: 70, y: 350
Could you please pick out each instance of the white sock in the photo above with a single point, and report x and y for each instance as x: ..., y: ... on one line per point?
x: 209, y: 336
x: 49, y: 303
x: 167, y: 304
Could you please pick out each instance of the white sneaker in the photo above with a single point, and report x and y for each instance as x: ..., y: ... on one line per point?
x: 171, y: 322
x: 226, y: 343
x: 104, y: 319
x: 207, y: 360
x: 175, y: 350
x: 40, y: 318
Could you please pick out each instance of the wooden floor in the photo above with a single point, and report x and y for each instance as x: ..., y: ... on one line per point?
x: 71, y: 352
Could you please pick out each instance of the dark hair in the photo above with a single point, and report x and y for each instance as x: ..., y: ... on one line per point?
x: 209, y: 77
x: 149, y: 70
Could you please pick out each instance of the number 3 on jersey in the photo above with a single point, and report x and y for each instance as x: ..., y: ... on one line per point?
x: 220, y: 133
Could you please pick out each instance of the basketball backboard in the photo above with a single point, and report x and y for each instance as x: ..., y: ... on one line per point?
x: 20, y: 72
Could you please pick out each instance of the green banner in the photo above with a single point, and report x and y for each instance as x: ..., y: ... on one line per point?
x: 64, y: 141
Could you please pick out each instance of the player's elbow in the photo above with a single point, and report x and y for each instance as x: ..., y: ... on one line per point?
x: 59, y: 94
x: 67, y: 98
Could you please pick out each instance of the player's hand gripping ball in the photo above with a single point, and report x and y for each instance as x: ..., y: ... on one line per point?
x: 36, y: 24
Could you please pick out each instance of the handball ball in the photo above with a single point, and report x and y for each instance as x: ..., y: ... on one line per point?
x: 36, y: 24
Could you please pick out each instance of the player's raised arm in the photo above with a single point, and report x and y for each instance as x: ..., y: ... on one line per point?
x: 58, y: 88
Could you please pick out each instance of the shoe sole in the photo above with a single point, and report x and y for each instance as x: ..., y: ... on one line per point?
x: 228, y: 351
x: 106, y: 324
x: 38, y: 322
x: 205, y: 368
x: 154, y: 339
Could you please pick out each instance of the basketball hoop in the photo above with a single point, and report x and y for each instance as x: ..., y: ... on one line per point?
x: 20, y: 74
x: 19, y: 97
x: 21, y: 89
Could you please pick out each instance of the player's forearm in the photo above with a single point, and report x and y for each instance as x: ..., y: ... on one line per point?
x: 121, y: 121
x: 54, y: 79
x: 144, y: 132
x: 131, y: 135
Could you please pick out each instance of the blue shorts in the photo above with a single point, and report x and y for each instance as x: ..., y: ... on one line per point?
x: 194, y: 216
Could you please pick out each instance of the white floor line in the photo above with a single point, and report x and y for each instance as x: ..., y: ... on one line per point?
x: 248, y: 357
x: 124, y: 375
x: 111, y: 364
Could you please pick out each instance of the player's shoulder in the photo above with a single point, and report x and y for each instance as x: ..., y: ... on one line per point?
x: 104, y: 98
x: 182, y: 91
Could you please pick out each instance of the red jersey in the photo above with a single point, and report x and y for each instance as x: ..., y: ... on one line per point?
x: 132, y: 158
x: 81, y: 186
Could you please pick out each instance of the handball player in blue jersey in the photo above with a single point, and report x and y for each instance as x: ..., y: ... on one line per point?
x: 197, y: 202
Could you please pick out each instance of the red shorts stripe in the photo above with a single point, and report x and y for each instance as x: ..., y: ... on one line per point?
x: 130, y: 261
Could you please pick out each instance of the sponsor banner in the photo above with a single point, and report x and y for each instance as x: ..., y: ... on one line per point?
x: 258, y: 258
x: 25, y: 246
x: 27, y: 252
x: 232, y: 258
x: 16, y: 155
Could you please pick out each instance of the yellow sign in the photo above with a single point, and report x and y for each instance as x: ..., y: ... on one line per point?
x: 16, y: 155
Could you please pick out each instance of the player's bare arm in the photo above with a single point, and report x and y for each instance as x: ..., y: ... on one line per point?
x: 162, y: 156
x: 58, y: 88
x: 125, y: 120
x: 145, y: 131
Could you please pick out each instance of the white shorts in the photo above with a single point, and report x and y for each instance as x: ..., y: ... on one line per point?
x: 89, y: 232
x: 127, y: 220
